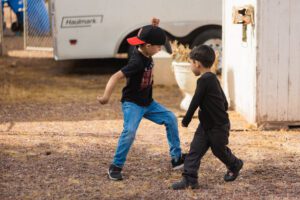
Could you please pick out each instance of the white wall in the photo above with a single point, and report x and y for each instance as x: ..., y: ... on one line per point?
x: 262, y: 76
x: 279, y: 61
x: 239, y: 68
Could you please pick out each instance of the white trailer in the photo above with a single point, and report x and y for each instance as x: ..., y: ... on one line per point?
x: 99, y: 28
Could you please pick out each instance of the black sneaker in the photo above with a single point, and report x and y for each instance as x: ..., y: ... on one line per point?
x: 184, y: 184
x: 231, y: 175
x: 114, y: 173
x: 178, y: 163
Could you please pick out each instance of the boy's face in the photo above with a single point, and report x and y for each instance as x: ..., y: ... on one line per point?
x: 196, y: 65
x: 152, y: 49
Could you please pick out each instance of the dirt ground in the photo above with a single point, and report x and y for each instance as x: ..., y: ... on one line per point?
x: 56, y: 142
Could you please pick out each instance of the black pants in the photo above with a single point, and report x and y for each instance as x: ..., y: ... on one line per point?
x: 217, y: 140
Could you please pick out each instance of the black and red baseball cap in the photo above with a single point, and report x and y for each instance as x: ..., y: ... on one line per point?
x: 148, y: 34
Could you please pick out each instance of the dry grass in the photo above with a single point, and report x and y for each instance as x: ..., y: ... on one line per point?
x: 56, y: 142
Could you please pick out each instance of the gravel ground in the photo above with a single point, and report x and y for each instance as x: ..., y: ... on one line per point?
x: 56, y: 142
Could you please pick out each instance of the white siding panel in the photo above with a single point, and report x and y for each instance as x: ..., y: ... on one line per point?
x: 294, y: 69
x: 261, y: 64
x: 283, y: 60
x: 269, y: 43
x: 240, y: 62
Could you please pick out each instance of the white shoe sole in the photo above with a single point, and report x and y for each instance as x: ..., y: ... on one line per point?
x: 178, y: 167
x: 111, y: 178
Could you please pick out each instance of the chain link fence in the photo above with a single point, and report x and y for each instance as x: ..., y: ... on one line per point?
x: 37, y: 25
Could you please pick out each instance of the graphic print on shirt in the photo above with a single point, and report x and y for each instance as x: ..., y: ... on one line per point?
x: 147, y: 79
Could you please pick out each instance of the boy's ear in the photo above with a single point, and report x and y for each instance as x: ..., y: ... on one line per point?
x: 198, y: 64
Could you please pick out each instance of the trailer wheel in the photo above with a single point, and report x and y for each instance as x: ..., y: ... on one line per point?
x: 212, y: 38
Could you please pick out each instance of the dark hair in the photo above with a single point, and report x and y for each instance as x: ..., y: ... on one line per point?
x: 204, y: 54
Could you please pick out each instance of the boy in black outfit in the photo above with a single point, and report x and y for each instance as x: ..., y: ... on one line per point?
x: 213, y: 130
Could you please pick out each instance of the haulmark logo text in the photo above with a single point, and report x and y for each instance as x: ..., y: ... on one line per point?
x: 81, y: 21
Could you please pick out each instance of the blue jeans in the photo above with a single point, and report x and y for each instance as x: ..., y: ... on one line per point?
x: 133, y: 115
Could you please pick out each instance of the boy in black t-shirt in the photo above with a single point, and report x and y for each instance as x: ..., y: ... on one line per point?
x: 137, y: 101
x: 213, y: 130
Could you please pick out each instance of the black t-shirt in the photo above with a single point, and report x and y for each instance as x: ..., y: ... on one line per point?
x: 212, y: 103
x: 139, y: 79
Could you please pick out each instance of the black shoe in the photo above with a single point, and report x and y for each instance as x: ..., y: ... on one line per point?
x: 184, y: 184
x: 231, y: 175
x: 178, y: 163
x: 114, y: 173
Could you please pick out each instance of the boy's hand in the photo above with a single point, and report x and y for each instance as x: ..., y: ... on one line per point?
x: 102, y: 100
x: 183, y: 125
x: 184, y: 122
x: 155, y: 21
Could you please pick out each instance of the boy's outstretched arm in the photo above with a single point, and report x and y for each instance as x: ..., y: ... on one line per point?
x: 110, y: 86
